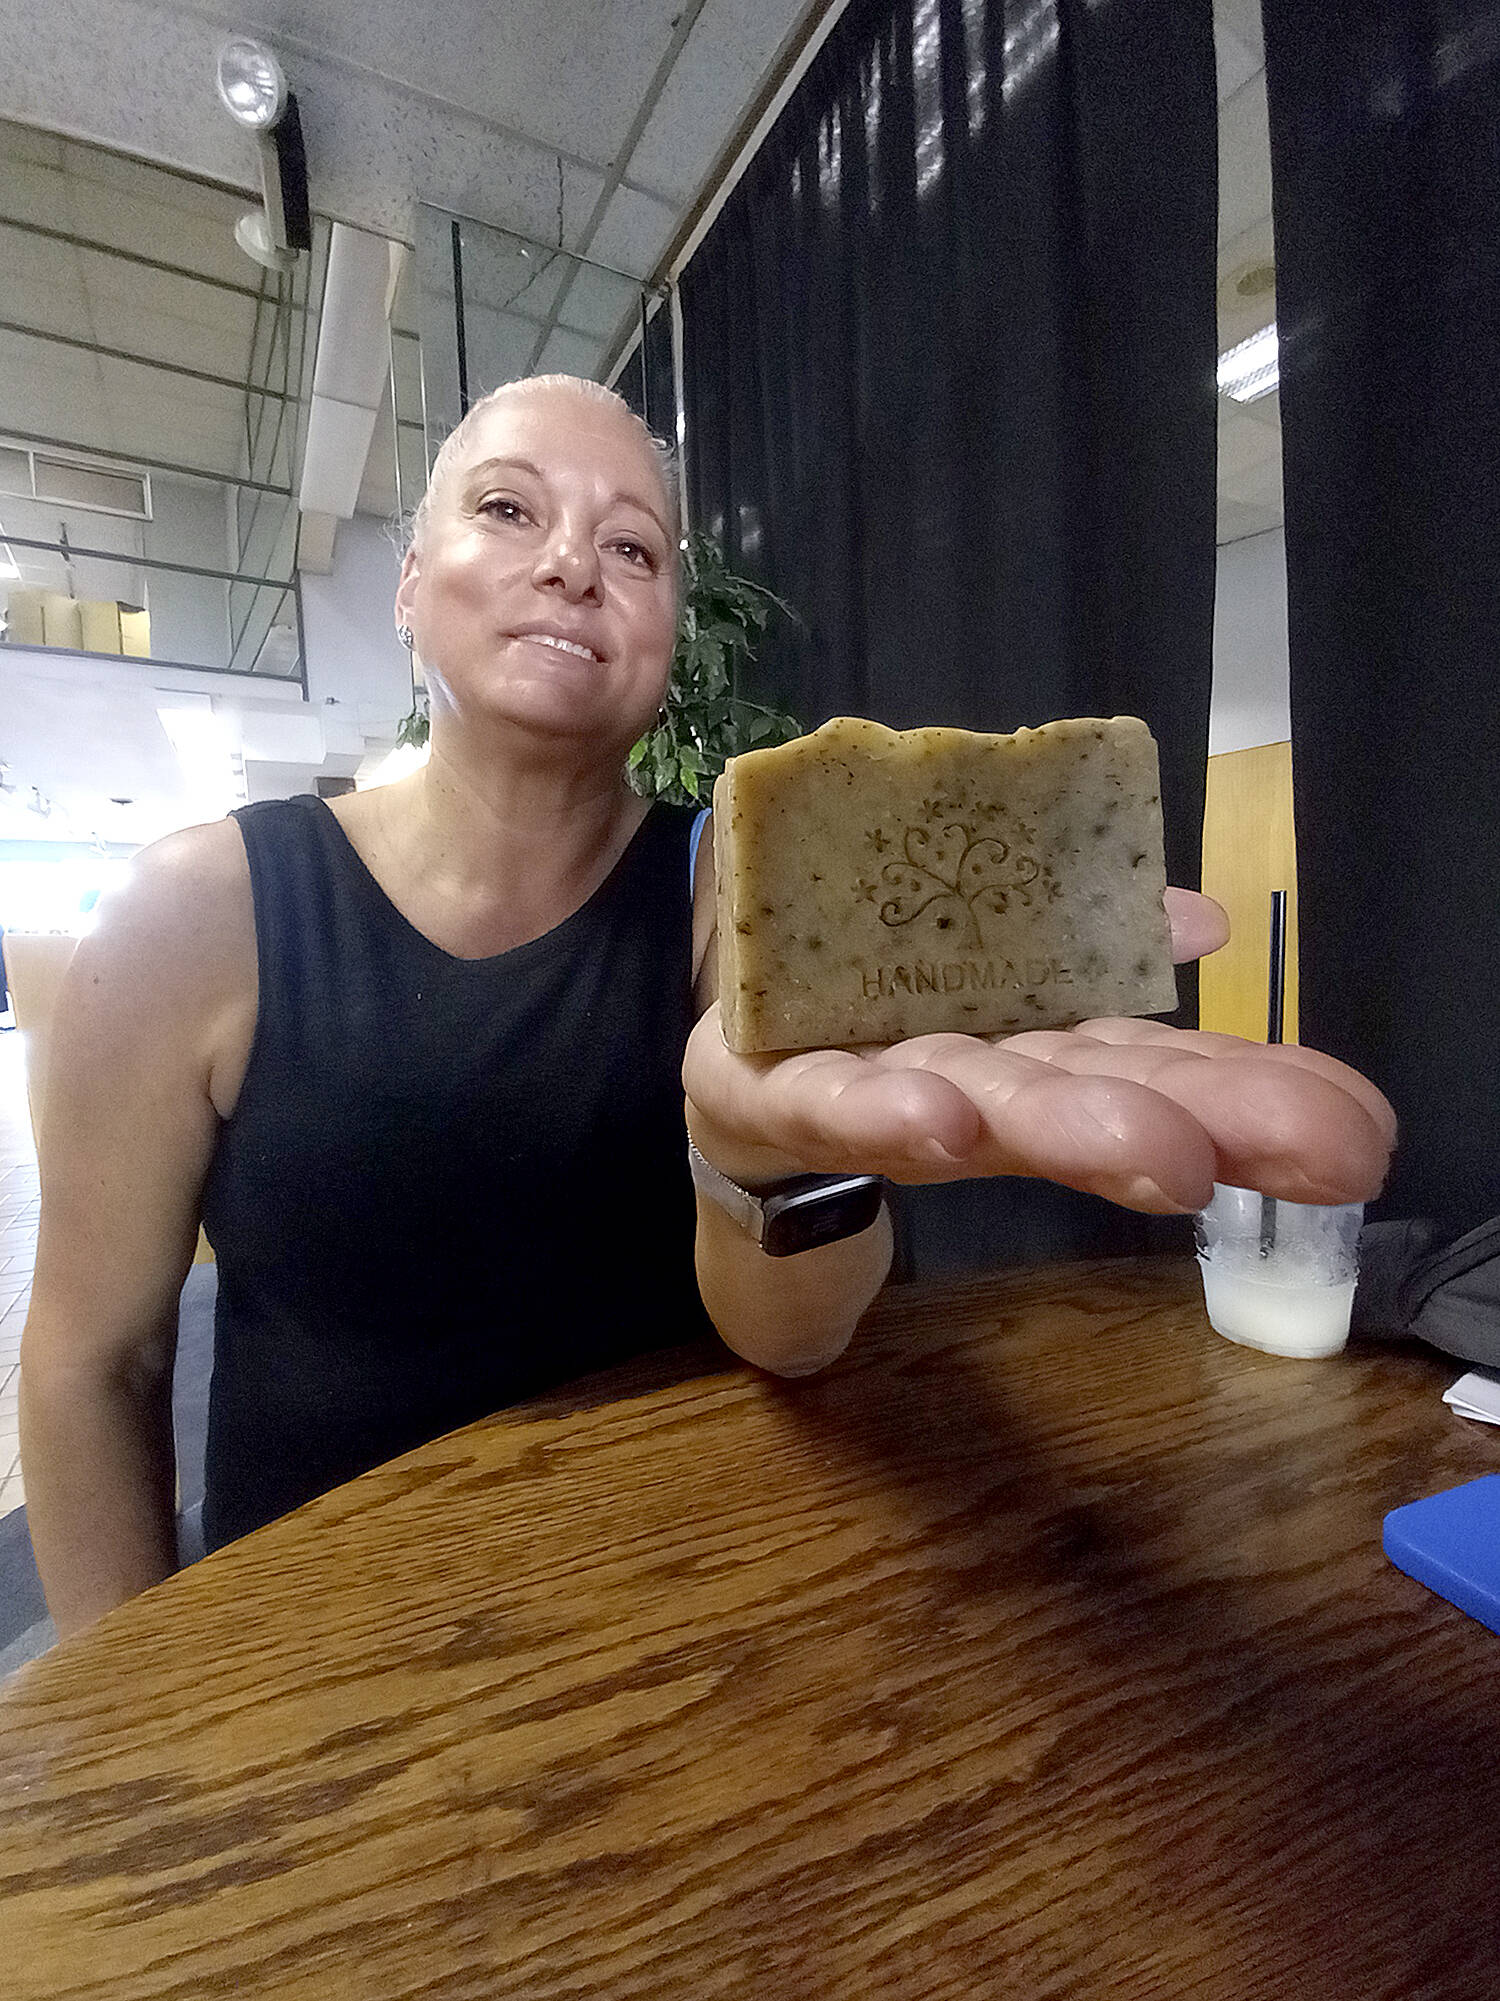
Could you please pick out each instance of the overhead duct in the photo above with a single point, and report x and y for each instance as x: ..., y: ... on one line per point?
x: 351, y: 370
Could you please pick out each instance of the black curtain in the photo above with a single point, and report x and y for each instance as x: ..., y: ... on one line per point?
x: 949, y: 385
x: 646, y: 381
x: 1385, y: 150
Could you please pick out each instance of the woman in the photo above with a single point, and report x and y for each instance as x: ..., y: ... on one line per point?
x: 416, y: 1057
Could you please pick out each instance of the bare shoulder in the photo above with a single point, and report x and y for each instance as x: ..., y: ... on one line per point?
x: 174, y: 947
x: 184, y: 907
x: 149, y: 1040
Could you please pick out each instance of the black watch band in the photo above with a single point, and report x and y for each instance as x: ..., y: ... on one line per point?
x: 797, y: 1214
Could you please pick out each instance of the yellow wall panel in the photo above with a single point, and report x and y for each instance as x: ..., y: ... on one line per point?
x: 1249, y: 849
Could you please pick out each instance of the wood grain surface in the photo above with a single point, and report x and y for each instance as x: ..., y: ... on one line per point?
x: 1043, y: 1648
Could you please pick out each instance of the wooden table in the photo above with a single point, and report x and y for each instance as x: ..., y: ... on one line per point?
x: 1044, y: 1648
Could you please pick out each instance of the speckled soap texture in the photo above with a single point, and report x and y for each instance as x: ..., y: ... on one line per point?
x: 875, y: 884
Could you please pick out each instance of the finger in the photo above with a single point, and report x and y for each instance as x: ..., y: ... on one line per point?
x: 1283, y: 1128
x: 1104, y: 1134
x: 1199, y: 925
x: 831, y: 1110
x: 1291, y: 1054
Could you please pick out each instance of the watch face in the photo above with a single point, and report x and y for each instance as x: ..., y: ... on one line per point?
x: 800, y: 1222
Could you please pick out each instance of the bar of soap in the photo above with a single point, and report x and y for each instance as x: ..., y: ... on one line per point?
x: 875, y: 884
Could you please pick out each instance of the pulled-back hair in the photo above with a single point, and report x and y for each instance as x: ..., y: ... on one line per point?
x: 577, y: 385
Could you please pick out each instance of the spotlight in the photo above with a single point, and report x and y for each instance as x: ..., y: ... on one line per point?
x: 252, y: 88
x: 253, y: 91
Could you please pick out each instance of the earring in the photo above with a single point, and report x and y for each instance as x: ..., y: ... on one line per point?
x: 407, y: 637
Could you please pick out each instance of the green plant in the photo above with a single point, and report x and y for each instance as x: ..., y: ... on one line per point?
x: 703, y: 721
x: 416, y: 727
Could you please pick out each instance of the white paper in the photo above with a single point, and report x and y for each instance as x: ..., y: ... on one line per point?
x: 1475, y: 1395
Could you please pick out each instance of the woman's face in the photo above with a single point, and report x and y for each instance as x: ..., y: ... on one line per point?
x: 552, y: 526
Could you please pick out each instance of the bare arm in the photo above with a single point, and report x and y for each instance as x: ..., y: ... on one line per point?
x: 789, y: 1315
x: 153, y: 1000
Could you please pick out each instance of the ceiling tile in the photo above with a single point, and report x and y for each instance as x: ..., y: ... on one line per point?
x: 28, y: 365
x: 1242, y: 314
x: 136, y: 385
x: 569, y: 353
x: 201, y: 243
x: 1265, y: 411
x: 635, y: 232
x: 570, y: 74
x: 34, y: 193
x: 500, y: 347
x: 42, y: 285
x: 377, y: 486
x: 715, y: 77
x: 23, y: 142
x: 1237, y: 520
x: 1244, y: 160
x: 1259, y: 485
x: 1242, y: 18
x: 500, y: 271
x: 173, y: 341
x: 1242, y: 443
x: 136, y: 289
x: 1235, y: 61
x: 597, y: 301
x: 196, y: 199
x: 460, y: 102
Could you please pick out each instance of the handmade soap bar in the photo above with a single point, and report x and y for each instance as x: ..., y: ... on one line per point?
x: 875, y: 884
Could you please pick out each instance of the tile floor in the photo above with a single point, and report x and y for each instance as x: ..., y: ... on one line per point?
x: 18, y: 1213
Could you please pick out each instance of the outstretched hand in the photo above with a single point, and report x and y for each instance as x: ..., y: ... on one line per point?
x: 1145, y: 1115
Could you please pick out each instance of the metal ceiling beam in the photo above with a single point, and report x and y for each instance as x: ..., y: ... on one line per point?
x: 531, y: 242
x: 134, y: 461
x: 129, y: 256
x: 143, y: 361
x: 71, y: 549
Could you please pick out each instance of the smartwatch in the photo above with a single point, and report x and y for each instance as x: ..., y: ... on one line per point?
x: 797, y: 1214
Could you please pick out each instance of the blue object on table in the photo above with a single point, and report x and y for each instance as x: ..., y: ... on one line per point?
x: 1451, y: 1543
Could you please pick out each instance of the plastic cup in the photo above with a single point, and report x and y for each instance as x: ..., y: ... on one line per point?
x: 1278, y: 1275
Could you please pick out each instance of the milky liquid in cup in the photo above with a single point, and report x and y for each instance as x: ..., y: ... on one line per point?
x: 1274, y: 1304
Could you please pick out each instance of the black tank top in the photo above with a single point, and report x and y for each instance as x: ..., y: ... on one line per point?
x: 447, y: 1184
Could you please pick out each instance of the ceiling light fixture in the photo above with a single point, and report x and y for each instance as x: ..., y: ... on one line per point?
x: 253, y: 91
x: 253, y: 234
x: 1252, y: 368
x: 252, y: 88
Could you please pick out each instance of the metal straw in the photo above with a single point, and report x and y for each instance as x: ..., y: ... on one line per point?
x: 1275, y: 1022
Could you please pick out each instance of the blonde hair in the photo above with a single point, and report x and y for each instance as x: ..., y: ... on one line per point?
x: 452, y: 447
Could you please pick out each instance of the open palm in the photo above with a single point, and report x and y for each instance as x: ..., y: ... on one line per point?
x: 1145, y: 1115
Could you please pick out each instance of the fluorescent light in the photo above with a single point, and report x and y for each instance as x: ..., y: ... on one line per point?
x: 1251, y: 368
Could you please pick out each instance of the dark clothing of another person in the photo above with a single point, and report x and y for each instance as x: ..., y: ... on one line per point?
x: 448, y: 1184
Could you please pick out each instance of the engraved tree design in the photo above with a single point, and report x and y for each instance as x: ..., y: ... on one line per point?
x: 969, y: 873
